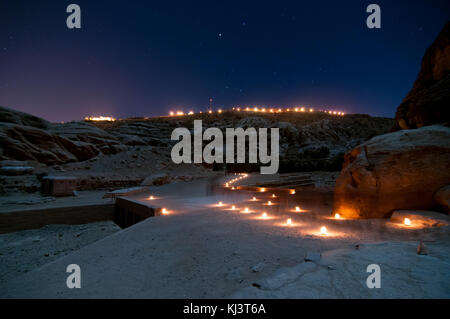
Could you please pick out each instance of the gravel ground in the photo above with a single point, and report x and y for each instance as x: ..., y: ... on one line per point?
x: 23, y: 251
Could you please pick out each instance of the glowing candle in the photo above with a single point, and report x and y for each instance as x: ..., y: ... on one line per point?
x: 273, y: 195
x: 151, y: 198
x: 269, y: 203
x: 292, y: 192
x: 246, y: 210
x: 289, y: 221
x: 264, y: 215
x: 233, y: 188
x: 337, y: 216
x: 233, y: 207
x: 220, y: 204
x: 164, y: 211
x: 263, y: 190
x: 297, y: 208
x: 254, y: 199
x: 323, y: 230
x: 407, y: 222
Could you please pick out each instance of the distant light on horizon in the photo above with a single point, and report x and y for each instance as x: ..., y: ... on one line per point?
x: 99, y: 118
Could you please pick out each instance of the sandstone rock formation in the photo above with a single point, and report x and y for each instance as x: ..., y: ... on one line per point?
x: 400, y: 170
x: 307, y: 141
x: 442, y: 196
x: 16, y: 117
x: 429, y: 100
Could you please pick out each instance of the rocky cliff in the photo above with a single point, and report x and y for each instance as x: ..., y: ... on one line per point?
x: 429, y: 100
x: 307, y: 141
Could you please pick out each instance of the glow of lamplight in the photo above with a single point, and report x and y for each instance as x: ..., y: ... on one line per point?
x: 226, y: 184
x: 337, y: 216
x: 269, y: 203
x: 407, y: 221
x: 190, y: 113
x: 292, y: 192
x: 273, y: 196
x: 100, y: 118
x: 264, y: 215
x: 151, y: 198
x: 289, y: 221
x: 262, y: 190
x: 233, y: 207
x: 233, y: 188
x: 323, y: 230
x: 220, y: 204
x: 254, y: 199
x: 220, y: 111
x: 297, y: 208
x: 171, y: 113
x: 246, y: 210
x: 164, y: 211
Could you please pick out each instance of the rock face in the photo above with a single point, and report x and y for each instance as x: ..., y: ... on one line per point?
x: 442, y: 196
x: 429, y: 100
x: 314, y: 141
x: 401, y: 170
x: 26, y: 137
x: 15, y: 117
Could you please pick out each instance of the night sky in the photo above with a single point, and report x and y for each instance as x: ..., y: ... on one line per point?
x: 144, y: 58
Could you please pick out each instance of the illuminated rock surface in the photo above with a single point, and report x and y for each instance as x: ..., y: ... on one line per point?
x: 400, y: 170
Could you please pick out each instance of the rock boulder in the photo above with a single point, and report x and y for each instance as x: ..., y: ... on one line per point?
x: 400, y: 170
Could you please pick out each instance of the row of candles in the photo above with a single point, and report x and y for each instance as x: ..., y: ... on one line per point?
x: 323, y: 229
x: 102, y: 118
x: 262, y: 110
x: 264, y: 215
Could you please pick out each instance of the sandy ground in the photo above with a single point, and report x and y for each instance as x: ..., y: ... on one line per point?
x: 200, y: 250
x: 35, y: 201
x: 21, y: 252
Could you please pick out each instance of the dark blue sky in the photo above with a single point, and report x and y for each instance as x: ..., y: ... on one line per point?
x: 143, y: 58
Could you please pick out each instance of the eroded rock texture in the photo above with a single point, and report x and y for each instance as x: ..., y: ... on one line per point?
x: 429, y: 100
x: 401, y: 170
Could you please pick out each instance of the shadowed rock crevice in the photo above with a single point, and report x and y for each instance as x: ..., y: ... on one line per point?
x: 429, y: 100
